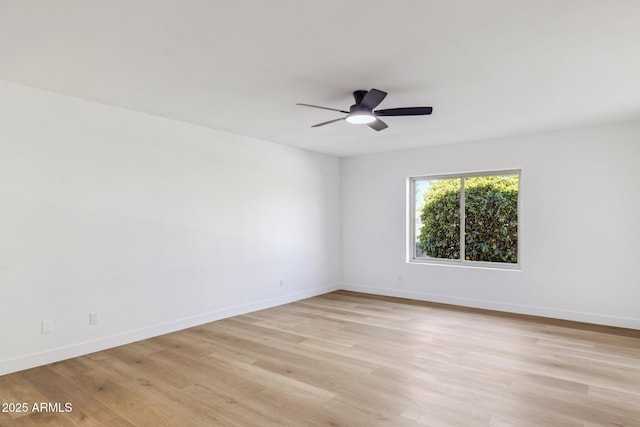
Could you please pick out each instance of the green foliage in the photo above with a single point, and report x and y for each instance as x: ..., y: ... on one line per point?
x: 440, y: 233
x: 491, y: 219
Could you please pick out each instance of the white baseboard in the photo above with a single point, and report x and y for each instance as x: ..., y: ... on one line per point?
x: 28, y: 361
x: 595, y: 318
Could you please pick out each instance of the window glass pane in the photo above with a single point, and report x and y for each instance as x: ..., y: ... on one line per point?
x: 491, y: 218
x: 437, y: 218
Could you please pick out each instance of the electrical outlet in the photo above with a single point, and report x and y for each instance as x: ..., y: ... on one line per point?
x: 93, y: 318
x: 47, y: 326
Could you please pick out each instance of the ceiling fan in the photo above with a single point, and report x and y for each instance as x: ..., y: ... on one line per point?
x: 362, y: 112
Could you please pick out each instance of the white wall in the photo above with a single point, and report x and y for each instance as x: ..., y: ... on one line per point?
x: 154, y: 224
x: 579, y: 225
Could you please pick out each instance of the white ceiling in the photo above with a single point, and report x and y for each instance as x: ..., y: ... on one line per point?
x: 489, y: 68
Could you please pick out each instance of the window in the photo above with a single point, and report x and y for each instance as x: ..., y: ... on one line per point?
x: 469, y: 219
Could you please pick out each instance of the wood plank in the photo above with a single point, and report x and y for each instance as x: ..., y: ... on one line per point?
x: 86, y: 410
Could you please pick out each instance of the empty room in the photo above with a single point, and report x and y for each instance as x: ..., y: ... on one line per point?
x: 286, y: 213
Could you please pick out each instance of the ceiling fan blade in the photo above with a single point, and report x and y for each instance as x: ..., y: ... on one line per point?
x: 373, y: 98
x: 407, y: 111
x: 324, y: 108
x: 326, y: 123
x: 378, y: 125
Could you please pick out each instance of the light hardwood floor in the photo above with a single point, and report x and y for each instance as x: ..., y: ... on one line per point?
x: 347, y: 359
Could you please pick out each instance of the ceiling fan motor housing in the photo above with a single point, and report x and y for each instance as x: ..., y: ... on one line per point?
x: 359, y: 109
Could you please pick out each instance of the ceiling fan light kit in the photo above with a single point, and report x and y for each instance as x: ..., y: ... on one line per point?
x: 360, y: 118
x: 362, y: 111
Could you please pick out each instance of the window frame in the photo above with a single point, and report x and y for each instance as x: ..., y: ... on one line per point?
x: 411, y: 221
